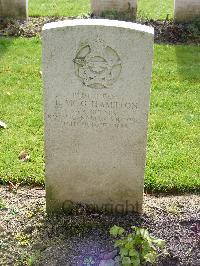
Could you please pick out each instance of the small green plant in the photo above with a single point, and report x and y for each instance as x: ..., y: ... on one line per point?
x: 136, y: 247
x: 22, y: 239
x: 26, y: 259
x: 173, y: 209
x: 2, y: 204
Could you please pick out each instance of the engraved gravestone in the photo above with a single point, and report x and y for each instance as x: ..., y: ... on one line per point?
x: 14, y: 8
x: 97, y: 65
x: 126, y: 9
x: 186, y: 10
x: 97, y: 77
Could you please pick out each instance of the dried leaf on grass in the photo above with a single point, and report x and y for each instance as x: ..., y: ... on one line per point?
x: 24, y: 156
x: 2, y: 124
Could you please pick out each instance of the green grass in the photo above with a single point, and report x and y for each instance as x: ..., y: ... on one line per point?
x: 58, y: 7
x: 21, y: 109
x: 174, y: 133
x: 156, y: 9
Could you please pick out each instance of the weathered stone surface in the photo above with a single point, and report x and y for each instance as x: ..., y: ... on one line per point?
x: 14, y: 8
x: 125, y: 8
x: 107, y: 263
x: 109, y: 255
x: 97, y: 77
x: 186, y: 10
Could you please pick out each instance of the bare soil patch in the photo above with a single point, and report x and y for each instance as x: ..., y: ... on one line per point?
x: 165, y: 31
x: 28, y: 235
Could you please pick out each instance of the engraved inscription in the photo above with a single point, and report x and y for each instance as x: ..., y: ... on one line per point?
x: 100, y: 111
x: 97, y: 66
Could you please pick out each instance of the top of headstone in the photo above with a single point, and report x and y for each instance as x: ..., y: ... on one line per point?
x: 99, y: 22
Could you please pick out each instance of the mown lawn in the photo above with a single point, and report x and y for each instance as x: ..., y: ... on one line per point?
x: 21, y: 109
x: 156, y: 9
x: 174, y: 131
x: 58, y: 7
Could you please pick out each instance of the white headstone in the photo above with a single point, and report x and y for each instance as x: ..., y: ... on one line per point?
x: 186, y: 10
x: 97, y: 76
x: 125, y: 8
x: 14, y: 8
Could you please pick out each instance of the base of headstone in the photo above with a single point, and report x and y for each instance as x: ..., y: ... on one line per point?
x: 186, y: 10
x: 14, y: 9
x: 68, y: 207
x: 120, y: 10
x: 129, y: 15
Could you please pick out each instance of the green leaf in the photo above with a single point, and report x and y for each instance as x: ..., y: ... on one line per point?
x: 130, y: 237
x: 150, y: 257
x: 119, y: 243
x: 159, y: 242
x: 138, y: 240
x: 123, y: 252
x: 136, y: 247
x: 143, y: 233
x: 146, y: 248
x: 116, y: 231
x: 135, y: 261
x: 134, y: 253
x: 126, y: 261
x: 129, y: 245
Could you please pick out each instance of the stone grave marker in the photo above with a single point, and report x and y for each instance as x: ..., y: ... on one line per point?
x: 97, y: 76
x: 186, y: 10
x: 14, y: 8
x: 123, y: 9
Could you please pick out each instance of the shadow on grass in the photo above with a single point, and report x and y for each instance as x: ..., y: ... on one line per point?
x: 188, y: 62
x: 5, y: 43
